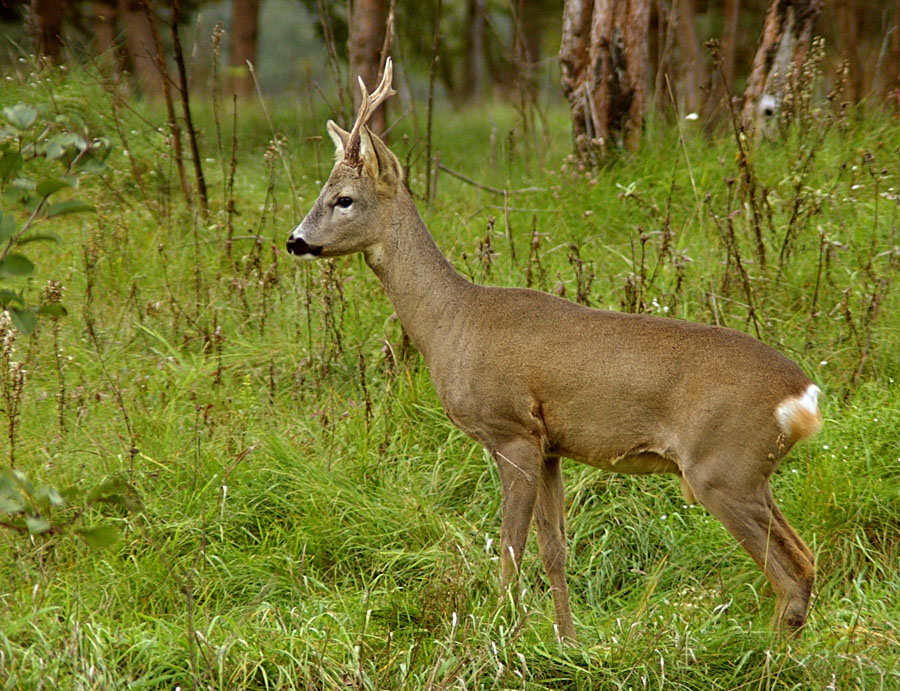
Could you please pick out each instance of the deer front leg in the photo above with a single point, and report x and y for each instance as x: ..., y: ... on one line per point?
x: 519, y: 462
x: 550, y: 518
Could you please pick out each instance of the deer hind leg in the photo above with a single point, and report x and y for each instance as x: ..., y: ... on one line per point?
x: 519, y: 462
x: 550, y: 518
x: 747, y: 510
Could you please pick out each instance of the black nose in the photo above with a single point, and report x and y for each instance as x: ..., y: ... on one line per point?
x: 299, y: 246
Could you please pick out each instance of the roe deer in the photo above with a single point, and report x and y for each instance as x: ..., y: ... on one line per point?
x: 534, y: 377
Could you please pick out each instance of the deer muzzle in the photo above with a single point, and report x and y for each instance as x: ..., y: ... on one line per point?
x: 300, y: 247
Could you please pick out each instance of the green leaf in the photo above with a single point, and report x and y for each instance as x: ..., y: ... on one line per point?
x: 21, y: 116
x: 7, y: 227
x: 37, y: 524
x: 100, y: 537
x: 37, y: 237
x: 25, y: 184
x: 10, y: 163
x: 67, y: 139
x: 89, y: 163
x: 15, y: 522
x: 47, y: 187
x: 47, y: 496
x: 18, y: 479
x: 129, y: 501
x: 24, y: 319
x: 15, y: 264
x: 71, y: 493
x: 7, y: 296
x: 54, y: 309
x: 70, y: 206
x: 19, y: 190
x: 7, y: 483
x: 11, y: 501
x: 52, y: 151
x: 116, y: 491
x: 112, y: 486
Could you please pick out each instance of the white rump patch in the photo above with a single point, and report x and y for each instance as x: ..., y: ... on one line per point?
x: 799, y: 416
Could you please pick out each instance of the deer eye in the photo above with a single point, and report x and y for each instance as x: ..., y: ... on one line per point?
x: 344, y: 202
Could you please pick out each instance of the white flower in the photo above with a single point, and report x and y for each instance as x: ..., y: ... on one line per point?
x: 691, y: 116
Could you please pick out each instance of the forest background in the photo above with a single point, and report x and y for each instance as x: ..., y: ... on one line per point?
x: 226, y: 469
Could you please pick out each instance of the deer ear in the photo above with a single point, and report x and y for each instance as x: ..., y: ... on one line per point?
x: 378, y: 161
x: 339, y: 137
x: 368, y: 154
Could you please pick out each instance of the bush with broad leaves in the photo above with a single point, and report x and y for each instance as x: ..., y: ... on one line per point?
x: 41, y: 162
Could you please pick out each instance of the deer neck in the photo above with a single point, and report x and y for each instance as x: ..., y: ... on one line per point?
x: 424, y: 288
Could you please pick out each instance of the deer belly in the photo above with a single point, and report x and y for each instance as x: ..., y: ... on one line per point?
x: 638, y: 461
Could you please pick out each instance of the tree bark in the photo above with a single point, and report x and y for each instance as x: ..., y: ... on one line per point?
x: 603, y: 57
x: 104, y: 26
x: 786, y: 35
x: 730, y: 13
x: 244, y: 40
x: 575, y: 68
x: 694, y: 75
x: 141, y: 47
x: 105, y: 36
x: 723, y: 77
x: 47, y: 18
x: 848, y: 44
x: 473, y: 85
x: 888, y: 80
x: 367, y: 26
x: 531, y: 29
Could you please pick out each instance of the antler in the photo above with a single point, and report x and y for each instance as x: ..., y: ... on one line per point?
x: 367, y: 107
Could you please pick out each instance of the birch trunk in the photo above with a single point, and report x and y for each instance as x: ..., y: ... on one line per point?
x: 785, y: 41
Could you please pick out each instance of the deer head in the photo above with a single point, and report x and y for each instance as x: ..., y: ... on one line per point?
x: 353, y: 210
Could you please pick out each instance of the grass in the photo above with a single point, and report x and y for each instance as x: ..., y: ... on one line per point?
x: 310, y: 517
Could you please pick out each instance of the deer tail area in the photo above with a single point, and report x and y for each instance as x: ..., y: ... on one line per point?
x: 799, y: 416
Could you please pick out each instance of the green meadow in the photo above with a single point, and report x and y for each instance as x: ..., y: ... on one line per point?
x: 233, y: 470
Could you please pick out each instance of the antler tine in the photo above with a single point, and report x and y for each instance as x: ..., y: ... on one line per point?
x: 368, y: 104
x: 384, y: 90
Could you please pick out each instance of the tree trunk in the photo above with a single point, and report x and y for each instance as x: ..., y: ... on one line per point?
x: 663, y: 18
x: 244, y: 39
x: 105, y: 36
x: 574, y: 68
x: 603, y: 58
x: 888, y: 76
x: 473, y: 84
x: 730, y: 14
x: 723, y: 77
x: 693, y: 67
x: 531, y: 29
x: 141, y: 48
x: 47, y: 18
x: 104, y: 26
x: 526, y: 55
x: 367, y: 27
x: 785, y: 40
x: 848, y: 44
